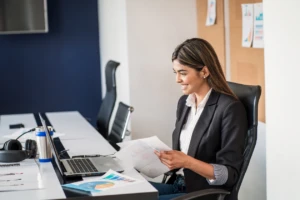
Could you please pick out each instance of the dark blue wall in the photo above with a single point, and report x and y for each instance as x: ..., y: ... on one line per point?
x: 55, y: 71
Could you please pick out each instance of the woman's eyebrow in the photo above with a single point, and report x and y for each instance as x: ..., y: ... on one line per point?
x: 181, y: 70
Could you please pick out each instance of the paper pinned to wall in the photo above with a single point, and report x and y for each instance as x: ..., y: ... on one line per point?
x: 211, y: 13
x: 247, y: 20
x: 258, y: 40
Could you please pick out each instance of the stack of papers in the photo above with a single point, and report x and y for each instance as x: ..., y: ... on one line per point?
x: 24, y: 175
x: 140, y: 154
x: 109, y: 180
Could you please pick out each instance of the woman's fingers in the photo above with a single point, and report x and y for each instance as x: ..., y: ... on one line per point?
x: 166, y: 156
x: 166, y: 163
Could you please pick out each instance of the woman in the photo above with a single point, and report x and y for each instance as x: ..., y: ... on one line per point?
x: 211, y: 125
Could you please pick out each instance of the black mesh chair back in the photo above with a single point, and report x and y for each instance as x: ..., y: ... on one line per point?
x: 249, y: 95
x: 108, y: 102
x: 120, y: 124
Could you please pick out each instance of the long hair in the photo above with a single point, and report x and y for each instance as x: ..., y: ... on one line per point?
x: 197, y: 53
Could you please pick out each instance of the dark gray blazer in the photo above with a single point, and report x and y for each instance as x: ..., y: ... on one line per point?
x: 218, y: 138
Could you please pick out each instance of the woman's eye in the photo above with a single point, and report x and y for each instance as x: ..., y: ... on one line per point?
x: 183, y: 74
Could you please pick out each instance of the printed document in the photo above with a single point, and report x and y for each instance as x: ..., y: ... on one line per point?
x: 23, y: 175
x: 140, y: 153
x: 258, y: 40
x: 211, y: 13
x: 247, y: 24
x: 109, y: 180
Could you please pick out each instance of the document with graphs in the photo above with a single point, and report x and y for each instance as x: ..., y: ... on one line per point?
x: 95, y: 185
x: 23, y: 175
x: 140, y: 154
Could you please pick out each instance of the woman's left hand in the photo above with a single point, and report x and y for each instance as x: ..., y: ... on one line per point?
x: 173, y: 159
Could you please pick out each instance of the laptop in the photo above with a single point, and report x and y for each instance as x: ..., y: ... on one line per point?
x: 81, y: 166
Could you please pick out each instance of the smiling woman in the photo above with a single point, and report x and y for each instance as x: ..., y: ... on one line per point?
x: 211, y: 125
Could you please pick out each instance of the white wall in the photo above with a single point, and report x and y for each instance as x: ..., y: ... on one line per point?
x: 155, y: 28
x: 114, y: 45
x: 282, y: 70
x: 142, y: 35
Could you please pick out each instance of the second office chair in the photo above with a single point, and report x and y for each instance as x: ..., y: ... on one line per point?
x: 108, y: 102
x: 119, y: 127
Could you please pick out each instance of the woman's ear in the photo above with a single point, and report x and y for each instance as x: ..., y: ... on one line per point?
x: 205, y: 72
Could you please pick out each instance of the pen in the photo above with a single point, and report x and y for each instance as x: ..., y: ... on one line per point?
x: 10, y: 174
x: 10, y: 180
x: 11, y: 185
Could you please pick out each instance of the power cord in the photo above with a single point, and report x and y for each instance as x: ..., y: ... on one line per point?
x: 25, y: 133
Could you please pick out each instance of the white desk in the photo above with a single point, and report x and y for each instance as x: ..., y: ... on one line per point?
x: 81, y: 138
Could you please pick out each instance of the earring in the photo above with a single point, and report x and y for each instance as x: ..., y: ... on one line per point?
x: 204, y: 77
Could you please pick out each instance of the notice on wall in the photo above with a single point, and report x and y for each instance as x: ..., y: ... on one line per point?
x: 211, y: 13
x: 258, y: 38
x: 247, y: 20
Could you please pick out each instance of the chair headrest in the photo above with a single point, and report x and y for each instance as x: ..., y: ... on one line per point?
x: 110, y: 74
x: 249, y: 96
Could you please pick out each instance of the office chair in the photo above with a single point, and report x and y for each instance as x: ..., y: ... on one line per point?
x: 108, y: 102
x: 249, y: 96
x: 119, y: 127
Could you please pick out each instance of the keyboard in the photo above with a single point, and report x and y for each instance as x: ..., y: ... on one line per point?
x: 82, y: 165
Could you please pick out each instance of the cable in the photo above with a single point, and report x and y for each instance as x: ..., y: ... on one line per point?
x: 25, y: 133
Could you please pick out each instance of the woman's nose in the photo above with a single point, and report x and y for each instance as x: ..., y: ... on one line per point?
x: 178, y: 79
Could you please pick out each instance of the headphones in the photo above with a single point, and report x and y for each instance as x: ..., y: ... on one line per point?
x: 12, y: 151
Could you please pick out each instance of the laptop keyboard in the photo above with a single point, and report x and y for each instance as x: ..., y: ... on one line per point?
x: 82, y: 165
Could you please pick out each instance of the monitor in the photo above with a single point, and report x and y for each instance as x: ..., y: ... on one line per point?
x: 23, y: 16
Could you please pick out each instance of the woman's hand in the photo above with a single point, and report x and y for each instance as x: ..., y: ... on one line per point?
x: 173, y: 159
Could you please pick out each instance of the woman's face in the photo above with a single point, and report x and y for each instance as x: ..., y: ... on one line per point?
x: 191, y: 81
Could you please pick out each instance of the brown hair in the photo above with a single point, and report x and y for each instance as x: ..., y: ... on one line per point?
x: 197, y: 53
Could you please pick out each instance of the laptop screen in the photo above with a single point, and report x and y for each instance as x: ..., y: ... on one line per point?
x: 53, y: 149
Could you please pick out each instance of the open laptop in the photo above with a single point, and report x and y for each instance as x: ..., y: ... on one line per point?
x: 81, y: 166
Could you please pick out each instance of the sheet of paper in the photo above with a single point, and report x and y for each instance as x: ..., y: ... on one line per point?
x: 140, y: 154
x: 152, y: 141
x: 247, y: 23
x: 211, y: 13
x: 24, y: 175
x: 109, y: 180
x: 30, y: 135
x: 258, y: 40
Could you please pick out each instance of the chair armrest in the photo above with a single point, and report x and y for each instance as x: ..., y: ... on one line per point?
x: 166, y: 175
x: 201, y: 193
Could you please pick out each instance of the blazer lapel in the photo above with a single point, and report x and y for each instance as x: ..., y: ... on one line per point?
x: 203, y: 122
x: 180, y: 123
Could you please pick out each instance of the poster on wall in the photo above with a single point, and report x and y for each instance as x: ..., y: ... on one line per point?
x: 247, y: 20
x: 211, y: 13
x: 258, y: 38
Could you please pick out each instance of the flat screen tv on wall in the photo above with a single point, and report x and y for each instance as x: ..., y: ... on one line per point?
x: 23, y: 16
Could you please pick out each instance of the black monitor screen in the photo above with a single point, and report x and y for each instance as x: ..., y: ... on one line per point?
x: 23, y: 16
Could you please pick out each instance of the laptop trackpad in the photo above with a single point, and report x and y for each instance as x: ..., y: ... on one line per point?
x: 103, y: 164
